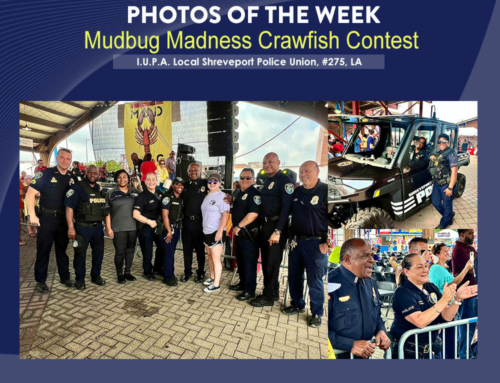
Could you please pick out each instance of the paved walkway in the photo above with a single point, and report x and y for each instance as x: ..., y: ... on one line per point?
x: 465, y: 207
x: 149, y: 320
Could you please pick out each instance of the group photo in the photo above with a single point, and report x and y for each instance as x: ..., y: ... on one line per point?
x: 173, y: 230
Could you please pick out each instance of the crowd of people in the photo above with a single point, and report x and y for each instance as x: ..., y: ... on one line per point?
x: 433, y: 287
x: 143, y: 207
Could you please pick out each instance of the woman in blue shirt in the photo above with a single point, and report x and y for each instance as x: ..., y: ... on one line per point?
x: 370, y: 142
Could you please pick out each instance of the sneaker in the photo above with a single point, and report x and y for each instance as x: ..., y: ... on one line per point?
x: 211, y: 289
x: 130, y: 277
x: 98, y: 281
x: 261, y: 301
x: 291, y: 310
x: 186, y: 278
x: 208, y: 282
x: 41, y: 288
x: 80, y: 285
x: 68, y: 283
x: 315, y: 321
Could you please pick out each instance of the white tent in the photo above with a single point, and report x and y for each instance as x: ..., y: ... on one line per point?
x: 467, y: 132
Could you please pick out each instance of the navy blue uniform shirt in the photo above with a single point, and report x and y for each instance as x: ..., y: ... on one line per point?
x: 148, y: 204
x: 52, y: 186
x: 76, y: 194
x: 353, y: 310
x: 310, y: 211
x: 276, y: 197
x: 409, y: 299
x: 245, y: 202
x: 193, y: 195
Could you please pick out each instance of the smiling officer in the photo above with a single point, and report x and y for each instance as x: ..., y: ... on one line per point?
x: 309, y: 246
x: 354, y: 315
x: 445, y: 180
x: 86, y: 203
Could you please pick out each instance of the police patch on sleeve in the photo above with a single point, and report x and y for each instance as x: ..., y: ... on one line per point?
x: 257, y: 200
x: 38, y: 175
x: 69, y: 193
x: 289, y: 188
x: 165, y: 201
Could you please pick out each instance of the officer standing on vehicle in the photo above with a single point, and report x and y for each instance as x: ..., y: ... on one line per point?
x: 194, y: 193
x: 245, y: 213
x: 51, y: 184
x: 354, y: 315
x: 172, y: 213
x: 309, y: 247
x: 276, y: 197
x: 86, y: 204
x: 445, y: 173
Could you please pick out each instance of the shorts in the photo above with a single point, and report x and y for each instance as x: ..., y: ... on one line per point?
x: 209, y: 239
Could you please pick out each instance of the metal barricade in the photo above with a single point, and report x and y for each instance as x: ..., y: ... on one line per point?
x: 387, y: 354
x: 429, y: 330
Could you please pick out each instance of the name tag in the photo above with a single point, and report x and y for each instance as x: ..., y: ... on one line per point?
x: 345, y: 299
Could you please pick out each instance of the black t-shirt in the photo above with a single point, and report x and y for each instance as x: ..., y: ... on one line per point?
x: 310, y: 211
x: 193, y: 195
x: 277, y: 196
x: 245, y: 202
x: 137, y: 167
x: 52, y: 186
x: 148, y: 204
x: 174, y: 206
x: 409, y: 299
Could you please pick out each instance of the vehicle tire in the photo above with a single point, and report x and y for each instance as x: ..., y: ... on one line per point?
x: 370, y: 218
x: 461, y: 183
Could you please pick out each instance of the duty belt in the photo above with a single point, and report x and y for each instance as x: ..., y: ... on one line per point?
x: 88, y: 224
x: 193, y: 217
x: 55, y: 213
x: 306, y: 238
x: 268, y: 219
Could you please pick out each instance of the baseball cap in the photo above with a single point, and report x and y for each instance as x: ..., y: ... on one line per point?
x: 215, y: 176
x: 444, y: 136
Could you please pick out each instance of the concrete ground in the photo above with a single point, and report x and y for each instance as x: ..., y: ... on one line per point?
x: 149, y: 320
x: 465, y: 207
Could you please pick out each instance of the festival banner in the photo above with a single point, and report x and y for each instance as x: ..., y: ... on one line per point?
x: 148, y: 129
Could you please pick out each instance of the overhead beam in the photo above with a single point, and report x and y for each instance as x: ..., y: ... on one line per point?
x: 22, y: 130
x: 40, y: 121
x: 75, y: 105
x: 48, y: 110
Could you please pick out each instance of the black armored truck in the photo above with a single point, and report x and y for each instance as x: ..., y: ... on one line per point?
x: 380, y: 177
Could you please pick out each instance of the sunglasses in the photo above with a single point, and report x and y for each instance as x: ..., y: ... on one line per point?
x: 212, y: 182
x: 246, y: 178
x: 422, y: 251
x: 442, y: 142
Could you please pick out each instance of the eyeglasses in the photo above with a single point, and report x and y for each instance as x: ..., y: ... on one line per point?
x: 423, y: 251
x: 442, y: 142
x: 246, y: 178
x: 213, y: 182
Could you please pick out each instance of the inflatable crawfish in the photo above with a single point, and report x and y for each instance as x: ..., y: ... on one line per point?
x: 144, y: 136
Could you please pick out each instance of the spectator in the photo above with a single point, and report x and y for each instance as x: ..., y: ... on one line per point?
x: 338, y: 148
x: 171, y: 165
x: 103, y: 173
x: 22, y: 194
x: 370, y: 142
x: 137, y: 163
x: 236, y: 185
x: 419, y: 151
x: 357, y: 144
x: 148, y: 166
x: 135, y: 183
x: 418, y: 303
x: 23, y: 176
x: 77, y: 174
x: 364, y: 140
x: 40, y: 166
x: 163, y: 173
x: 462, y: 254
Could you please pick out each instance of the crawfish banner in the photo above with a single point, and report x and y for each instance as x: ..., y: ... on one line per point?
x: 148, y: 129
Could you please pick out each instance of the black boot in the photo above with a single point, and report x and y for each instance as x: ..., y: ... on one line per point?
x: 121, y: 279
x: 130, y: 277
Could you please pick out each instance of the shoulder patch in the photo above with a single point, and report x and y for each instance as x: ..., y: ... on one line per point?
x: 289, y: 188
x: 38, y: 175
x: 165, y: 201
x: 257, y: 199
x: 69, y: 193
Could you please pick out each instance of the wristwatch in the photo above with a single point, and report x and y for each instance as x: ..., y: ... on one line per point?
x: 450, y: 189
x: 457, y: 303
x: 277, y: 232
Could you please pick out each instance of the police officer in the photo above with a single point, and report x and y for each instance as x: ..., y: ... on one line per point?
x: 309, y: 246
x: 86, y: 204
x: 51, y: 184
x: 419, y: 152
x: 445, y: 178
x: 276, y: 196
x: 245, y: 212
x: 194, y: 193
x: 147, y: 209
x: 172, y: 214
x: 354, y: 315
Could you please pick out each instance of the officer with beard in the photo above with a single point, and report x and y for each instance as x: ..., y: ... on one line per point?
x: 86, y: 209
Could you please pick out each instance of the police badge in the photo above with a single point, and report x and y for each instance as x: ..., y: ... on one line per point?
x: 202, y: 189
x: 165, y: 201
x: 244, y: 197
x: 315, y: 200
x: 271, y: 185
x: 434, y: 297
x: 289, y: 188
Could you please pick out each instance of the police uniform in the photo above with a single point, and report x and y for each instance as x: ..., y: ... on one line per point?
x: 353, y: 310
x: 89, y: 205
x: 246, y: 242
x: 53, y: 229
x: 192, y: 228
x: 276, y: 197
x: 309, y: 229
x: 422, y: 155
x: 175, y: 206
x: 443, y: 164
x: 409, y: 299
x: 149, y: 205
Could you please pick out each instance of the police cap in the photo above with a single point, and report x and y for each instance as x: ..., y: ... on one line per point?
x: 444, y: 136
